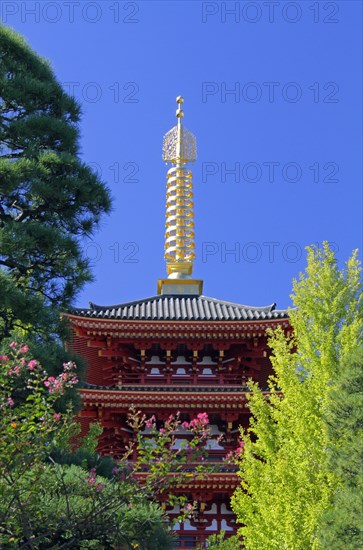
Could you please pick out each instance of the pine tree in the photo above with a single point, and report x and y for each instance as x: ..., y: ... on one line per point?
x: 343, y: 523
x: 286, y: 482
x: 49, y: 199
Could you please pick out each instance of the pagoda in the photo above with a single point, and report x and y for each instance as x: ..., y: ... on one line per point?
x: 177, y: 351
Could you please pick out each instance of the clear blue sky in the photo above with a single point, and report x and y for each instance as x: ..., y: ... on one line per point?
x: 291, y: 131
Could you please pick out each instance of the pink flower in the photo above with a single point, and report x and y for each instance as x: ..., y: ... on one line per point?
x: 33, y: 363
x: 52, y: 384
x: 13, y: 344
x: 240, y: 449
x: 69, y: 366
x: 150, y: 422
x: 57, y: 417
x: 10, y: 402
x: 91, y: 478
x: 162, y: 431
x: 59, y: 384
x: 4, y: 358
x: 199, y: 422
x: 17, y: 370
x: 185, y: 425
x: 24, y: 349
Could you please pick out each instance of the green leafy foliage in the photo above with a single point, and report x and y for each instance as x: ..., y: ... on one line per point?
x: 29, y: 427
x: 221, y: 542
x: 166, y: 467
x: 71, y: 509
x: 286, y: 483
x: 342, y: 525
x: 53, y: 496
x: 45, y: 504
x: 85, y: 454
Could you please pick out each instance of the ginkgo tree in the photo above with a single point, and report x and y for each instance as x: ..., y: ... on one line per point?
x: 342, y: 525
x: 287, y: 484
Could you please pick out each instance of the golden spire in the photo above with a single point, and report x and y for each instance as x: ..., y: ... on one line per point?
x: 179, y: 148
x: 179, y: 145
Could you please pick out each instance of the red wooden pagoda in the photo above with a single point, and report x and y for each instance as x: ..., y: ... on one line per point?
x: 177, y: 351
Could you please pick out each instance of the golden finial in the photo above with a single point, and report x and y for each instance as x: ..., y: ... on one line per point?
x: 179, y: 111
x: 179, y: 148
x: 179, y: 144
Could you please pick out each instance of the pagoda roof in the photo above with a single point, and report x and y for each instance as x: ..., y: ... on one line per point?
x: 180, y: 308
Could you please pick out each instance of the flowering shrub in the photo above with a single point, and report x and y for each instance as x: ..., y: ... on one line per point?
x: 199, y: 425
x: 160, y: 465
x: 91, y: 480
x: 233, y: 456
x: 27, y: 398
x: 57, y: 505
x: 29, y: 427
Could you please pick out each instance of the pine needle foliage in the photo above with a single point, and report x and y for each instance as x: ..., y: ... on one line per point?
x: 49, y: 199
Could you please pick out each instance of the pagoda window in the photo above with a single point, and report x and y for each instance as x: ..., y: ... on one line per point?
x: 180, y: 371
x: 213, y: 509
x: 153, y: 442
x: 154, y: 360
x: 213, y: 526
x: 155, y: 372
x: 188, y: 526
x: 215, y: 429
x: 225, y: 526
x: 175, y: 510
x: 208, y: 372
x: 225, y: 510
x: 180, y: 444
x: 181, y: 431
x: 146, y: 431
x: 180, y: 360
x: 213, y: 445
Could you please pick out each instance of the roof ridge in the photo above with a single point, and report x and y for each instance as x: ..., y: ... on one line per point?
x: 92, y: 305
x: 270, y: 307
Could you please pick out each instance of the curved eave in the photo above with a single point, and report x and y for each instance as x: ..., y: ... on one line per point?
x: 181, y: 308
x: 123, y: 399
x: 137, y: 329
x: 219, y: 482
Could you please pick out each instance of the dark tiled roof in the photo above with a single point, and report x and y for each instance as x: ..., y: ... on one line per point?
x: 180, y: 308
